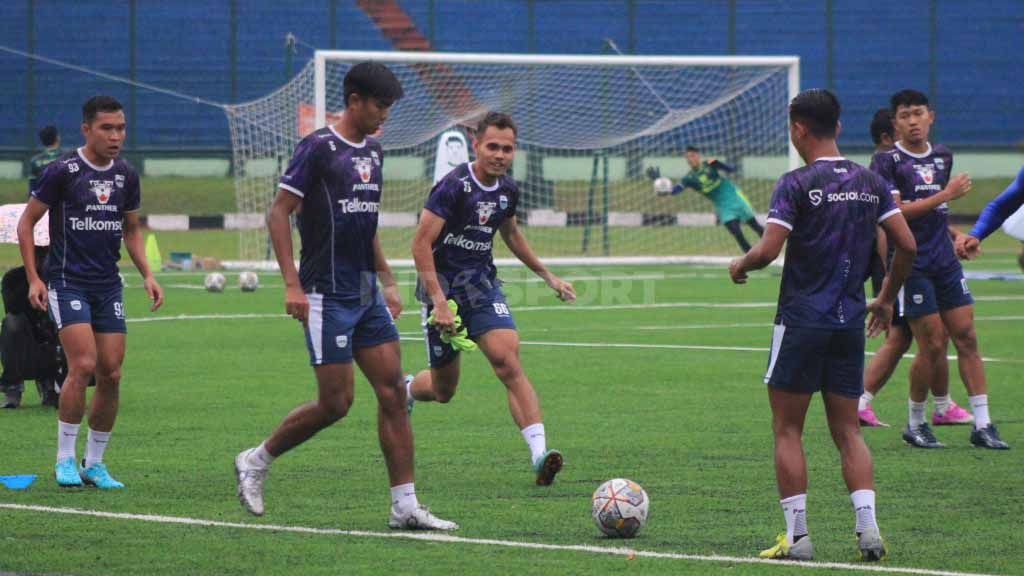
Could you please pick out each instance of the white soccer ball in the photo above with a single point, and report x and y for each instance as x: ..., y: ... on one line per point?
x: 248, y: 281
x: 619, y: 507
x: 663, y: 186
x: 214, y: 282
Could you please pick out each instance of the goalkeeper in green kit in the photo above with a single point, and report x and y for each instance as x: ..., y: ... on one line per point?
x: 731, y: 207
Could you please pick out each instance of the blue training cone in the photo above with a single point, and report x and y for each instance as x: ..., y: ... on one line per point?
x: 18, y: 482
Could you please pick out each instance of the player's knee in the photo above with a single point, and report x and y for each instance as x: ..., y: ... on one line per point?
x: 932, y: 345
x: 966, y: 340
x: 336, y: 408
x: 83, y: 366
x: 507, y: 367
x: 444, y: 394
x: 110, y: 377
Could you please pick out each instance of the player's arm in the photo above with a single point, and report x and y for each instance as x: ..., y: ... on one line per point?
x: 427, y: 231
x: 957, y: 187
x: 1000, y: 208
x: 278, y: 223
x: 516, y: 242
x: 27, y: 245
x: 722, y: 166
x: 387, y: 279
x: 137, y: 252
x: 761, y: 254
x: 901, y: 239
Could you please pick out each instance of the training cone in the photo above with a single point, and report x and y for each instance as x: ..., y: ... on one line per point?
x: 153, y: 254
x: 17, y: 482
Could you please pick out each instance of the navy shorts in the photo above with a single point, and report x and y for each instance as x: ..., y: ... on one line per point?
x: 337, y: 326
x: 487, y: 311
x: 806, y: 360
x: 102, y: 307
x: 929, y: 294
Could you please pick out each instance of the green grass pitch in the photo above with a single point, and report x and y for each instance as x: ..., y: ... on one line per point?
x: 691, y: 425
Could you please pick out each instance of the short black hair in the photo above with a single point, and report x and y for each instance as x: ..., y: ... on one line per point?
x: 692, y: 149
x: 48, y: 135
x: 881, y: 123
x: 907, y: 97
x: 97, y: 104
x: 499, y: 120
x: 372, y: 79
x: 817, y: 109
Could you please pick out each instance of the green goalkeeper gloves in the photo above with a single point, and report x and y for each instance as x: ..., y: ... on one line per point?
x: 460, y: 339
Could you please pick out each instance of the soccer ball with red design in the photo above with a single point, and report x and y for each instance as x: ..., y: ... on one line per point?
x: 619, y: 507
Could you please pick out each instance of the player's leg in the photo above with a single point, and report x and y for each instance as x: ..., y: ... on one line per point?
x: 755, y: 226
x: 795, y: 371
x: 501, y: 347
x: 844, y: 374
x: 438, y: 382
x: 788, y: 412
x: 382, y: 366
x: 945, y: 411
x: 921, y: 309
x: 960, y: 324
x: 110, y: 348
x: 328, y: 338
x: 880, y: 369
x: 71, y: 312
x: 733, y: 226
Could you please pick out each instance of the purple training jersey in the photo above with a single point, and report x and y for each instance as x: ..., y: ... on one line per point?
x: 831, y: 208
x: 472, y: 213
x: 916, y: 177
x: 87, y: 207
x: 340, y: 185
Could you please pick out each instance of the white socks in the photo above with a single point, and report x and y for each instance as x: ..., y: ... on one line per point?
x: 95, y: 445
x: 940, y: 404
x: 258, y: 457
x: 534, y: 436
x: 67, y: 436
x: 865, y: 400
x: 403, y: 498
x: 916, y: 413
x: 979, y: 407
x: 864, y: 507
x: 794, y: 509
x: 408, y: 387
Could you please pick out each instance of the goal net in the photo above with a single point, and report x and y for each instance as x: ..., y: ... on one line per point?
x: 589, y: 127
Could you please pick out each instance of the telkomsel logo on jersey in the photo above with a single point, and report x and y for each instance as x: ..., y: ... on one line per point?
x: 466, y: 243
x: 102, y: 189
x: 357, y: 206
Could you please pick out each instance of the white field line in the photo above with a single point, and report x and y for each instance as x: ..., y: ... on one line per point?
x: 449, y: 539
x: 640, y: 346
x: 419, y: 336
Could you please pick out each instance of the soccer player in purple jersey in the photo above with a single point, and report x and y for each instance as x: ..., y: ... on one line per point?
x: 93, y: 198
x: 899, y: 338
x: 453, y: 253
x: 936, y: 300
x: 334, y: 177
x: 826, y: 214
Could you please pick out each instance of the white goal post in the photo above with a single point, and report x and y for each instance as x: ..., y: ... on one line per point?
x: 589, y: 128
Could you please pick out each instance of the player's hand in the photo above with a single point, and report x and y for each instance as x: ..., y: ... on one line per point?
x: 967, y: 247
x: 959, y: 186
x: 154, y: 291
x: 653, y: 172
x: 37, y: 294
x: 444, y: 318
x: 393, y: 300
x: 295, y: 303
x: 881, y: 317
x: 736, y: 272
x: 564, y: 290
